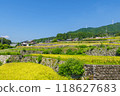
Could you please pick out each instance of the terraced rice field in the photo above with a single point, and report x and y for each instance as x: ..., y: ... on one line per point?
x: 110, y: 60
x: 28, y: 71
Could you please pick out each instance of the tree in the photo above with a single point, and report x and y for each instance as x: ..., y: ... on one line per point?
x: 5, y: 41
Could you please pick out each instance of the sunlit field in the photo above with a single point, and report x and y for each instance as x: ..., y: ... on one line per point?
x: 115, y: 60
x: 68, y: 44
x: 28, y: 71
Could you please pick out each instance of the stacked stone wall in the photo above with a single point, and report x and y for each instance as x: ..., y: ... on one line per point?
x: 103, y: 72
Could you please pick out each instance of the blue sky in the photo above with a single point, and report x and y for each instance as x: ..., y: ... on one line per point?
x: 33, y: 19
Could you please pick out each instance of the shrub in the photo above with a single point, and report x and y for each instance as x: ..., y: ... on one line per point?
x: 92, y: 47
x: 82, y: 46
x: 1, y: 63
x: 7, y: 61
x: 118, y: 52
x: 108, y: 48
x: 26, y: 55
x: 70, y: 52
x: 39, y: 58
x: 57, y: 51
x: 102, y: 45
x: 5, y: 46
x: 58, y: 58
x: 46, y: 52
x: 24, y: 50
x: 71, y: 67
x: 54, y: 40
x: 80, y: 51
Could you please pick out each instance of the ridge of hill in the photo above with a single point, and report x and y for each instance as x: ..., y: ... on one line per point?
x: 108, y: 30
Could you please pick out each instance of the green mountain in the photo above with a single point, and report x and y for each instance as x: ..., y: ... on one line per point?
x: 111, y: 29
x: 108, y: 30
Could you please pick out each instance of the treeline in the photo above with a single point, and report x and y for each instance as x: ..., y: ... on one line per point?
x: 5, y: 46
x: 109, y: 30
x: 79, y: 35
x: 5, y: 41
x: 43, y: 39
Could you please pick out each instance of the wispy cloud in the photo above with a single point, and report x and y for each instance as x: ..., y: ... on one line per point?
x: 5, y: 36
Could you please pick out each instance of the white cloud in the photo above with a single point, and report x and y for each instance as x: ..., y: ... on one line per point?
x: 5, y: 36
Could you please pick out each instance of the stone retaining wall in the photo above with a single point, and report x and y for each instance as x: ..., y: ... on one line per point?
x: 105, y: 51
x: 3, y: 58
x: 53, y: 63
x: 103, y: 72
x: 97, y: 72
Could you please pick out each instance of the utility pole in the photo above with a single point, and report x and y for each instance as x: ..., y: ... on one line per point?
x: 1, y: 40
x: 112, y: 21
x: 106, y: 31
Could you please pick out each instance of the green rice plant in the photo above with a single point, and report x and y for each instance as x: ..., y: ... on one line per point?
x: 118, y: 52
x: 9, y: 53
x: 46, y: 52
x: 57, y: 51
x: 58, y: 58
x: 1, y: 63
x: 104, y: 60
x: 39, y: 58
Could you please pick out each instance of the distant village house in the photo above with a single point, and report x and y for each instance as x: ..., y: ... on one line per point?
x: 28, y: 43
x: 76, y: 39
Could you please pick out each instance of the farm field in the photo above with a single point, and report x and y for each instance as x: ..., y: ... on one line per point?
x: 108, y: 60
x: 28, y: 71
x: 85, y: 52
x: 77, y: 43
x: 17, y: 51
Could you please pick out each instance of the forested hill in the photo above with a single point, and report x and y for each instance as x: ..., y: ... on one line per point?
x: 112, y: 29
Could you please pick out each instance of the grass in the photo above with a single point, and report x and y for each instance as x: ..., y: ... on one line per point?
x: 37, y: 46
x: 9, y: 53
x: 68, y: 44
x: 43, y: 48
x: 28, y: 71
x: 103, y: 60
x: 117, y: 37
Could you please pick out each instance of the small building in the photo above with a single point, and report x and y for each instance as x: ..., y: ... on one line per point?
x: 13, y: 45
x: 58, y: 40
x: 76, y: 39
x: 69, y: 40
x: 47, y: 41
x: 98, y: 37
x: 51, y: 40
x: 32, y: 42
x: 25, y: 44
x: 28, y: 43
